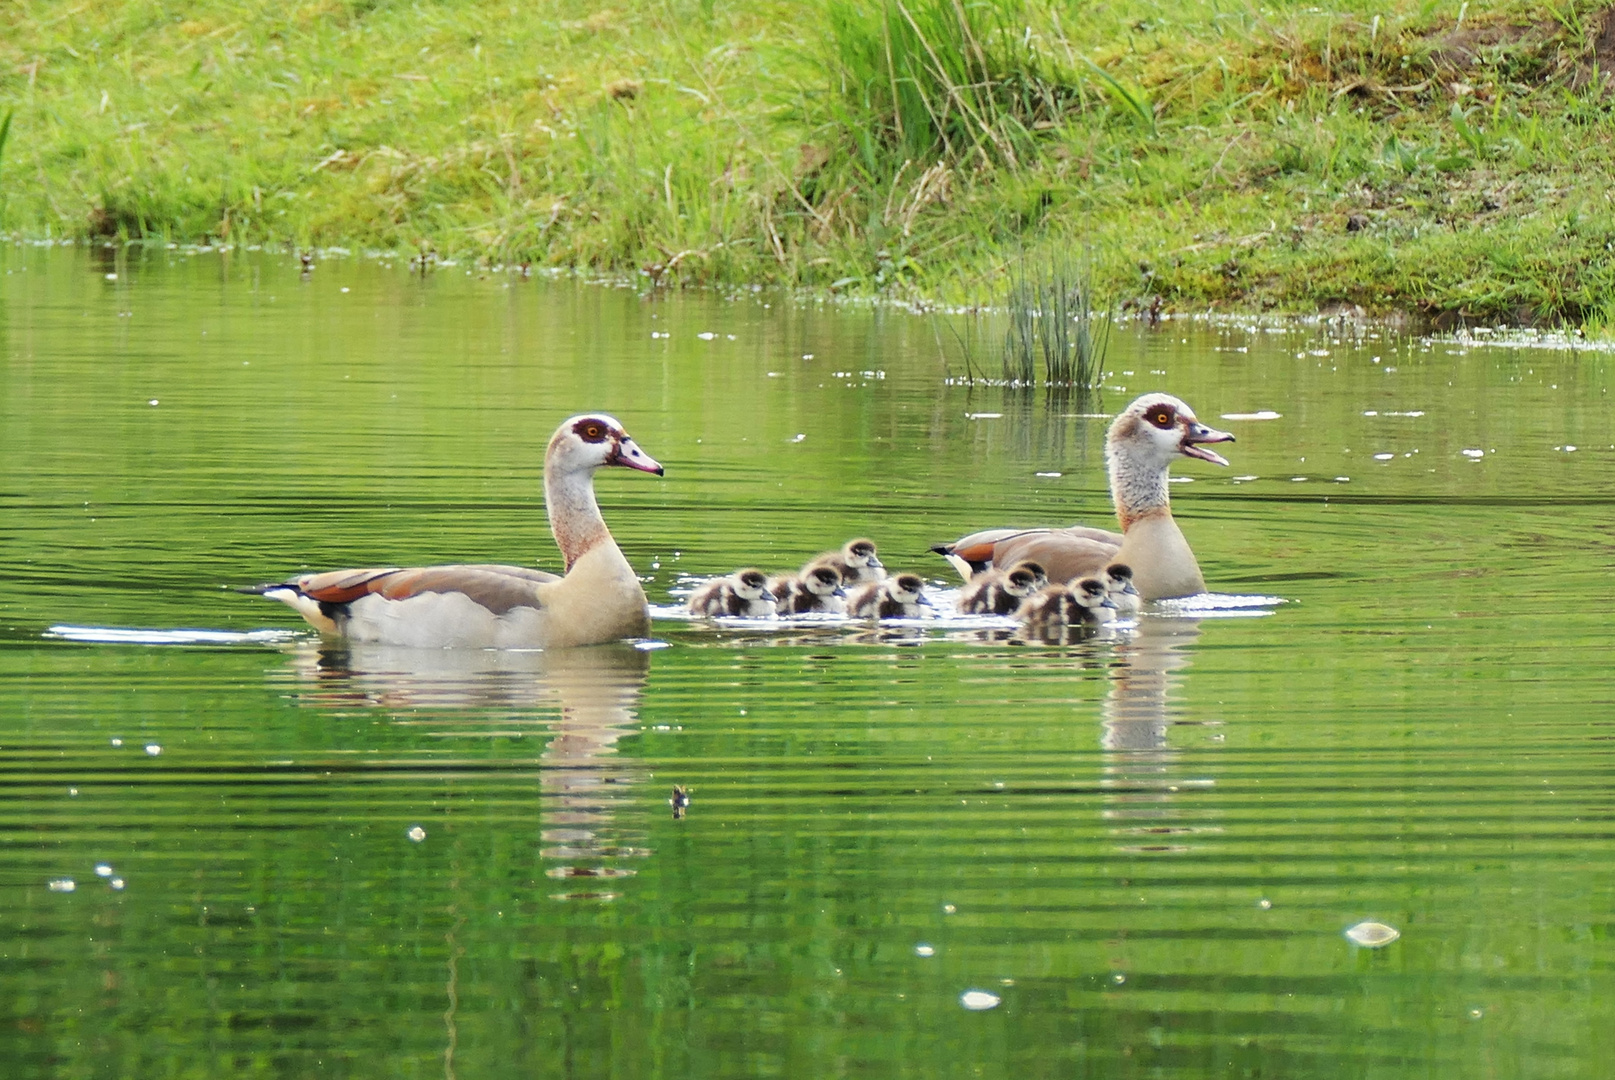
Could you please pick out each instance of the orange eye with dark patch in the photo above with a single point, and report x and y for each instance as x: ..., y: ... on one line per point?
x: 1163, y: 417
x: 590, y: 431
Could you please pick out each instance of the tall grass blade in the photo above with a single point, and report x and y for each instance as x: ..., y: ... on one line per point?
x: 1135, y: 100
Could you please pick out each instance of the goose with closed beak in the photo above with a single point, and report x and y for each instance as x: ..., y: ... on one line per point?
x: 1142, y: 443
x: 743, y: 593
x: 597, y: 599
x: 1001, y: 592
x: 816, y: 590
x: 857, y: 562
x: 899, y: 597
x: 1123, y: 593
x: 1083, y: 604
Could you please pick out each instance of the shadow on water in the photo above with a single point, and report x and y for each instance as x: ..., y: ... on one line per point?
x: 586, y: 699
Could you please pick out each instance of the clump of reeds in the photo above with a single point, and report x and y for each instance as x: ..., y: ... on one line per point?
x: 928, y: 80
x: 1052, y: 317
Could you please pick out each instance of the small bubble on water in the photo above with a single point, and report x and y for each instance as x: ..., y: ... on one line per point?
x: 117, y: 742
x: 64, y: 884
x: 1384, y: 457
x: 153, y: 749
x: 416, y: 833
x: 948, y: 909
x: 72, y: 791
x: 798, y: 437
x: 924, y: 950
x: 116, y: 883
x: 979, y: 1000
x: 153, y: 401
x: 706, y: 335
x: 1474, y: 454
x: 112, y: 277
x: 103, y: 870
x: 1476, y: 1014
x: 1118, y: 978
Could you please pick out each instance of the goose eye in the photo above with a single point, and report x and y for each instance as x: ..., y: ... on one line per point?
x: 1163, y: 418
x: 591, y: 431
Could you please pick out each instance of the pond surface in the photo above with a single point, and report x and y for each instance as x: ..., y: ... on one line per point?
x: 942, y: 855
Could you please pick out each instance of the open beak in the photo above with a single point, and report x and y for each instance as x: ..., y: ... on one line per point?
x: 630, y: 456
x: 1194, y: 438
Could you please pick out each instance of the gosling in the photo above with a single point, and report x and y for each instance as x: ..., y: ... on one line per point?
x: 743, y: 593
x: 899, y: 597
x: 816, y: 590
x: 1001, y: 592
x: 1082, y: 604
x: 856, y: 561
x: 1119, y: 586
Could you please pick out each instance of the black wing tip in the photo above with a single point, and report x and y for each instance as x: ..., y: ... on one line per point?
x: 266, y: 587
x: 942, y: 549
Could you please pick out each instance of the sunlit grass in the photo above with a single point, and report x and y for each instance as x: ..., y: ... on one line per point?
x: 1232, y: 156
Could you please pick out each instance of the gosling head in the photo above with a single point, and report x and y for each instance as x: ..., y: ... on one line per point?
x: 751, y: 584
x: 1119, y: 579
x: 907, y: 589
x: 1025, y: 578
x: 822, y: 579
x: 860, y: 555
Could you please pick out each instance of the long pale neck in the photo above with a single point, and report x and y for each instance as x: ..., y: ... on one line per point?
x: 1138, y: 493
x: 574, y: 515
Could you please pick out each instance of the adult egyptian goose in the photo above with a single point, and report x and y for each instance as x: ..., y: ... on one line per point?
x: 490, y: 606
x: 856, y: 561
x: 899, y: 597
x: 1001, y: 592
x: 743, y: 593
x: 1142, y: 443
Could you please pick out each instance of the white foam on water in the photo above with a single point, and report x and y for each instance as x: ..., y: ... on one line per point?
x: 122, y: 635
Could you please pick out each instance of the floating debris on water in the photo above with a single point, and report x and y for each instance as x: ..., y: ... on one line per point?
x: 923, y: 949
x: 979, y: 1000
x: 1372, y: 935
x: 416, y: 833
x: 65, y: 884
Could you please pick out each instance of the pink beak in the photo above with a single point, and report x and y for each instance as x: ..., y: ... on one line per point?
x: 630, y: 456
x: 1198, y: 434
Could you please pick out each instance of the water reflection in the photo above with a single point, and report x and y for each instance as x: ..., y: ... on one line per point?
x: 1140, y: 708
x: 586, y: 699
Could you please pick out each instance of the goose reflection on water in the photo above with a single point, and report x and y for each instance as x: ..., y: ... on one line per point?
x: 586, y: 699
x: 1140, y: 708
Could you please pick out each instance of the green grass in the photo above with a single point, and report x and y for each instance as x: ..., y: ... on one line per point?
x: 1206, y: 152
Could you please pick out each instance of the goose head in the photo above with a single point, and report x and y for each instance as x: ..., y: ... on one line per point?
x: 1093, y: 596
x: 1119, y: 579
x: 1025, y: 578
x: 1156, y: 428
x: 907, y: 589
x: 860, y: 555
x: 751, y: 585
x: 594, y: 440
x: 822, y: 579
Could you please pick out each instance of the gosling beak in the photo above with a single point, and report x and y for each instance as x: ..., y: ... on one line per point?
x: 875, y: 563
x: 1128, y: 590
x: 1108, y: 602
x: 839, y: 591
x: 630, y: 456
x: 1195, y: 435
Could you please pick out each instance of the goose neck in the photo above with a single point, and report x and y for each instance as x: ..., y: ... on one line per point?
x: 574, y: 515
x: 1139, y: 491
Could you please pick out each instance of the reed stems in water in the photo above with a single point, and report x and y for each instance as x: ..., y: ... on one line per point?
x: 1052, y: 317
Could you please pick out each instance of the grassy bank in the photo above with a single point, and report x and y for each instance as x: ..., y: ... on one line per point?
x: 1444, y: 158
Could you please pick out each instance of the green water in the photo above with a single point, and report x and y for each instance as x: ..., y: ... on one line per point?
x: 1147, y: 847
